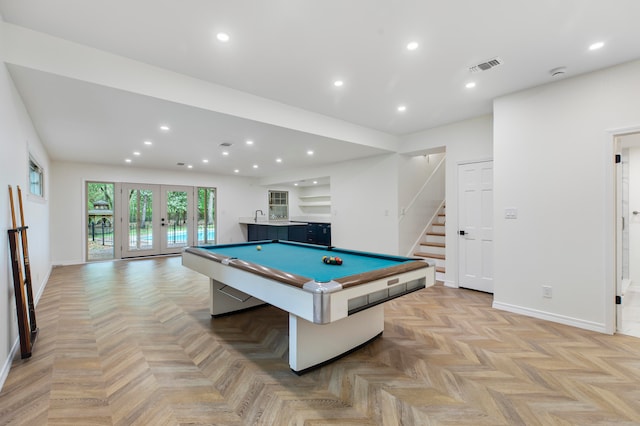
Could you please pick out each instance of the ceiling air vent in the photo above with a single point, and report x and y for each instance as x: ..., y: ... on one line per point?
x: 226, y: 144
x: 491, y: 63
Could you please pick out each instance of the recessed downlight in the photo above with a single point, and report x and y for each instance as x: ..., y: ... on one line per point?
x: 338, y: 83
x: 204, y: 160
x: 278, y: 160
x: 597, y: 45
x: 225, y: 153
x: 148, y: 143
x: 223, y: 37
x: 249, y: 142
x: 402, y: 108
x: 127, y: 160
x: 255, y: 166
x: 470, y: 85
x: 236, y: 171
x: 189, y: 166
x: 310, y: 152
x: 413, y: 45
x: 136, y: 152
x: 165, y: 128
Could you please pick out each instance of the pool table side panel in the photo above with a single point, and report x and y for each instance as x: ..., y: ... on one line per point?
x: 289, y: 298
x: 357, y: 279
x: 340, y: 300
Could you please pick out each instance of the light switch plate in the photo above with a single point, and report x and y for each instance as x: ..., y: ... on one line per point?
x: 511, y: 213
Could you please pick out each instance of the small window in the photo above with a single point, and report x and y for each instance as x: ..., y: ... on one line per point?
x: 36, y: 178
x: 278, y: 205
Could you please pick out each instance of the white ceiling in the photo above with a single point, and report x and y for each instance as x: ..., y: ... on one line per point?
x: 291, y: 51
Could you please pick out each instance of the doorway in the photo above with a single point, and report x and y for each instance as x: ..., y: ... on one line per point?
x: 475, y: 226
x: 627, y: 146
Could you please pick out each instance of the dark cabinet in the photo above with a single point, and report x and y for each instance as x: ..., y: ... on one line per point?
x: 276, y: 232
x: 319, y: 233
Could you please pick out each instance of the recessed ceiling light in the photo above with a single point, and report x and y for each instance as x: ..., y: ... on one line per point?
x: 470, y: 85
x: 148, y: 143
x: 223, y: 37
x: 596, y: 46
x: 315, y: 182
x: 236, y: 171
x: 402, y: 108
x: 309, y: 152
x: 190, y: 166
x: 204, y: 160
x: 278, y: 160
x: 136, y: 152
x: 255, y: 166
x: 295, y: 184
x: 338, y: 83
x: 249, y: 142
x: 225, y: 152
x: 127, y: 160
x: 164, y: 128
x: 412, y: 45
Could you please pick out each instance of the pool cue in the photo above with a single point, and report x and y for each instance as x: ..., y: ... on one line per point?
x: 18, y: 285
x: 27, y: 270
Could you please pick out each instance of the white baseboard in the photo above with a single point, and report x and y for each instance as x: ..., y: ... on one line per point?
x: 548, y: 316
x: 4, y: 372
x: 449, y: 283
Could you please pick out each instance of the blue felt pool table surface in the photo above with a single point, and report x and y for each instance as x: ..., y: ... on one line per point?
x: 306, y: 259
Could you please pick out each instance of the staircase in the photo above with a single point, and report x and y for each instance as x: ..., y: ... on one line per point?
x: 432, y: 247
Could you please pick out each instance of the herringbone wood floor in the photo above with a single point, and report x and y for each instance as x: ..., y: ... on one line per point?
x: 132, y: 342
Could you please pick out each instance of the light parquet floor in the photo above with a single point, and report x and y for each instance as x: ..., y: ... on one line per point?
x: 132, y: 343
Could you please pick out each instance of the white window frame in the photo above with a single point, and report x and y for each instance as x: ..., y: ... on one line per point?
x: 36, y: 169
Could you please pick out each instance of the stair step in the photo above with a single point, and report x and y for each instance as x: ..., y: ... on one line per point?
x: 439, y: 234
x: 432, y: 244
x: 429, y: 255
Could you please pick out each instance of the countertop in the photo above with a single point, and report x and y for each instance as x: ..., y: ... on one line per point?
x: 250, y: 221
x: 293, y: 222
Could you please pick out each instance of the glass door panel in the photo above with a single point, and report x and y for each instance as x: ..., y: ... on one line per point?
x: 100, y: 221
x: 177, y: 202
x: 141, y: 220
x: 206, y: 227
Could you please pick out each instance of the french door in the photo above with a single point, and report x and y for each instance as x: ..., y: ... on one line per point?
x: 475, y: 216
x: 157, y: 219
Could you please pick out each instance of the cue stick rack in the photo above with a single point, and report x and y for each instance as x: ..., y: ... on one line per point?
x: 23, y: 289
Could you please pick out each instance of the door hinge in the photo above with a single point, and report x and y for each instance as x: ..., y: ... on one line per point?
x: 618, y: 300
x: 618, y: 158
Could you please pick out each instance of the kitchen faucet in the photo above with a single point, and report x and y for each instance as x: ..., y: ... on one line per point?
x: 255, y: 218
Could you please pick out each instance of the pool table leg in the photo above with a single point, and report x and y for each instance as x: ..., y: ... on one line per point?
x: 312, y: 344
x: 224, y: 299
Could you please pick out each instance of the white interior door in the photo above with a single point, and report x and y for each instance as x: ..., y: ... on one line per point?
x: 475, y: 216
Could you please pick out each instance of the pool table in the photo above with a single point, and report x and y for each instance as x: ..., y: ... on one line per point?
x: 333, y: 309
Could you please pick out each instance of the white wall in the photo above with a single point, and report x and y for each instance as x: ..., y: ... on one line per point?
x: 17, y: 139
x: 464, y: 141
x: 553, y: 162
x: 364, y: 204
x: 236, y: 197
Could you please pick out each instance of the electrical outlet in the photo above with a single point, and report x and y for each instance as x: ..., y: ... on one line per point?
x: 546, y: 291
